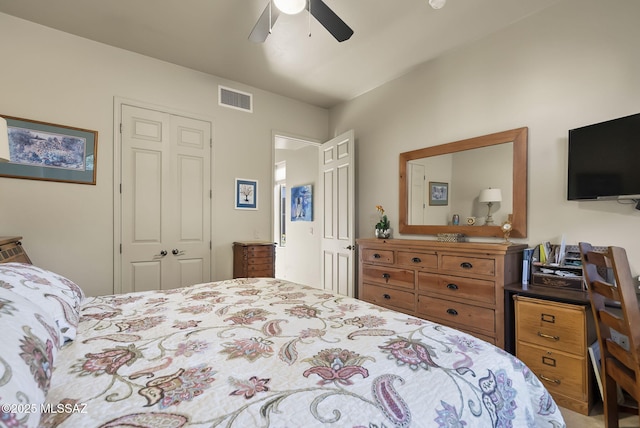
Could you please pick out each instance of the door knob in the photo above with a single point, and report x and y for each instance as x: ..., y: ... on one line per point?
x: 163, y: 253
x: 177, y: 252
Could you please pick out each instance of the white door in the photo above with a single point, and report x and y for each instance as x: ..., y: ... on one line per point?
x: 165, y: 200
x: 417, y: 193
x: 337, y: 190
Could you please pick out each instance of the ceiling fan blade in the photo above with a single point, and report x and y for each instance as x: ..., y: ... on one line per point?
x: 262, y: 28
x: 329, y: 20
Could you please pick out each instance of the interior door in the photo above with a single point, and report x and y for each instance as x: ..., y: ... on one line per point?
x: 337, y: 190
x: 417, y: 193
x: 165, y: 200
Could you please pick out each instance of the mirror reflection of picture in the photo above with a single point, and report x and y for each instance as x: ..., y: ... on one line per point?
x: 302, y: 203
x: 438, y: 193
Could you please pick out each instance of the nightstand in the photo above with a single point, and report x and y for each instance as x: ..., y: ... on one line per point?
x: 11, y: 250
x: 254, y: 259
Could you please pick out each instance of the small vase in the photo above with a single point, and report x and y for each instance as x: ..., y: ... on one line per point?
x: 383, y: 233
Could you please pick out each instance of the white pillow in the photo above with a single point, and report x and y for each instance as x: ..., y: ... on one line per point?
x: 56, y: 294
x: 29, y: 346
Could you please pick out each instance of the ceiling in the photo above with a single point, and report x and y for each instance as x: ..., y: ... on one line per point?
x: 391, y: 37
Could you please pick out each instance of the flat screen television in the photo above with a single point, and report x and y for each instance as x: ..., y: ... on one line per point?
x: 604, y: 160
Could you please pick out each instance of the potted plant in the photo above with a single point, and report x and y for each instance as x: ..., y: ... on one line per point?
x: 383, y: 229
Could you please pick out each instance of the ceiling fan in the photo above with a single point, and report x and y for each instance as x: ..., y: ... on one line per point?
x: 317, y: 8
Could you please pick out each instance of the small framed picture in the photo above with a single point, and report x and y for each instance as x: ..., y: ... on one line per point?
x: 302, y: 203
x: 438, y: 193
x: 246, y: 194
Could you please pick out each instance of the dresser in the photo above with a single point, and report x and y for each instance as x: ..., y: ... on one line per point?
x: 457, y: 284
x: 11, y: 250
x: 252, y: 259
x: 552, y: 339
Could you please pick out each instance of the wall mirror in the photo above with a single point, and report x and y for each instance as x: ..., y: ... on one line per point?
x: 439, y: 182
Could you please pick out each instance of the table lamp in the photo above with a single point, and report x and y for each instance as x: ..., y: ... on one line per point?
x: 4, y: 141
x: 489, y: 196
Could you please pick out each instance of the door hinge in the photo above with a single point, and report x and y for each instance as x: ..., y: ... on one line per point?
x: 120, y: 188
x: 120, y: 248
x: 210, y: 245
x: 121, y: 127
x: 210, y: 142
x: 210, y: 194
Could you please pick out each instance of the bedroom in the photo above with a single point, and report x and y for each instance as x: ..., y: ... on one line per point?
x: 550, y: 72
x: 573, y: 64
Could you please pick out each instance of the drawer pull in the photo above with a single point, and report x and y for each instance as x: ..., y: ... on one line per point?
x: 452, y: 286
x: 386, y: 276
x: 376, y: 256
x: 548, y: 336
x: 548, y: 379
x: 452, y: 312
x: 386, y: 296
x: 416, y: 260
x: 466, y: 265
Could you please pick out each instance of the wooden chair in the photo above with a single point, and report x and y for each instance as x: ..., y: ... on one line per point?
x: 615, y: 307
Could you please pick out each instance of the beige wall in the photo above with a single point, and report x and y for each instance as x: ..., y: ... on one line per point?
x: 574, y: 64
x: 54, y: 77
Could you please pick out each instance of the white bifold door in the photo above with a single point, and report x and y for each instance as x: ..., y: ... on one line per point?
x: 165, y: 200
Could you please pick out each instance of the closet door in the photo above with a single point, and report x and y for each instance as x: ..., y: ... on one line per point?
x: 165, y: 200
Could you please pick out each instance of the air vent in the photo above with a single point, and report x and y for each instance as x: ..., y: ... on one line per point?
x: 233, y: 98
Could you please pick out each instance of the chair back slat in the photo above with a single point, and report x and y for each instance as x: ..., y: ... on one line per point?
x: 615, y: 307
x: 605, y: 289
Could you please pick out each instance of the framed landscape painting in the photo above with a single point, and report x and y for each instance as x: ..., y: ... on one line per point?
x: 46, y: 151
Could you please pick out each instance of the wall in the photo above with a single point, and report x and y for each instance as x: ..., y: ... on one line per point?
x: 55, y: 77
x: 573, y: 64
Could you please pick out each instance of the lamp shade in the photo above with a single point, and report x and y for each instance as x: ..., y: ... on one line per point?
x: 437, y: 4
x: 490, y: 195
x: 4, y: 141
x: 291, y: 7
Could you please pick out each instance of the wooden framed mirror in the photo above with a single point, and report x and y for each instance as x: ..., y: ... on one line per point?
x: 440, y: 181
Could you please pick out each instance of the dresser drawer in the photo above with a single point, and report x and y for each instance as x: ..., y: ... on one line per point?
x: 259, y: 251
x: 387, y: 297
x: 390, y: 276
x: 377, y: 256
x: 468, y: 265
x: 551, y: 325
x: 478, y: 290
x: 474, y: 317
x: 268, y: 260
x: 560, y: 372
x: 420, y: 260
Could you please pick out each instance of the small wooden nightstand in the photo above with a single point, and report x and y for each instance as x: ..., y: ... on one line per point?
x: 11, y: 250
x: 254, y: 259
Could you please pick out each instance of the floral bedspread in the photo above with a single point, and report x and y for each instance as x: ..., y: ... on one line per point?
x: 271, y: 353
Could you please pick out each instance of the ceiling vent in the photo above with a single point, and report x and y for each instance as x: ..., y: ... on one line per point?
x: 233, y: 98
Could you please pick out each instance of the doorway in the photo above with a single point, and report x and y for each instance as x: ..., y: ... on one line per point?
x: 297, y: 240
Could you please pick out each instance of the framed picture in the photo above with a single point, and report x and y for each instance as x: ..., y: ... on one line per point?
x: 302, y: 203
x: 438, y: 193
x: 46, y: 151
x: 246, y: 194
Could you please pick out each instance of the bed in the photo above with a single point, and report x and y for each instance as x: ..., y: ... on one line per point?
x: 257, y: 352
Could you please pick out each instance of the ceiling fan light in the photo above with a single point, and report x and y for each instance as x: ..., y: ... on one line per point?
x: 291, y: 7
x: 437, y: 4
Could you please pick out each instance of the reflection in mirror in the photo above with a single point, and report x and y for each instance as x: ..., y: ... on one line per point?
x: 465, y: 174
x: 439, y: 182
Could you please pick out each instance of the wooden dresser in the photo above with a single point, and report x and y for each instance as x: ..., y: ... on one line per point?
x: 552, y: 339
x: 11, y: 250
x: 253, y: 259
x: 456, y: 284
